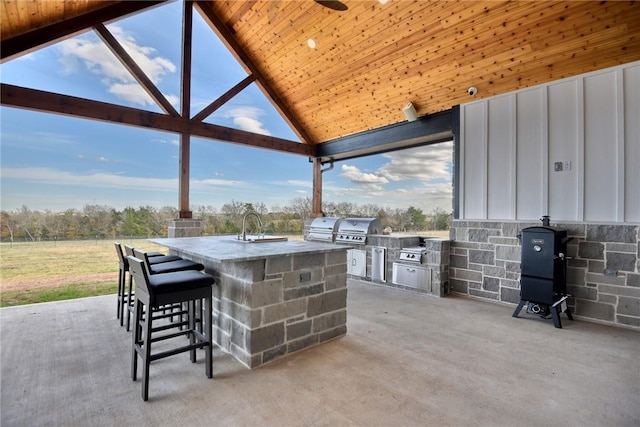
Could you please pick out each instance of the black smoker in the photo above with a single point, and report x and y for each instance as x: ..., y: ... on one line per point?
x: 543, y: 267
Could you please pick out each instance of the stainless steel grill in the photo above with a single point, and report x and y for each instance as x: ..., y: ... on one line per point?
x: 355, y: 230
x: 413, y: 255
x: 324, y: 229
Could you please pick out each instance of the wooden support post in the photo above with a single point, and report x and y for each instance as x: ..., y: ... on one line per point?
x: 317, y: 187
x: 185, y: 103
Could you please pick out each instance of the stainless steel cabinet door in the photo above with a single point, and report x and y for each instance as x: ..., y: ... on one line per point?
x: 357, y: 262
x: 379, y: 263
x: 412, y: 276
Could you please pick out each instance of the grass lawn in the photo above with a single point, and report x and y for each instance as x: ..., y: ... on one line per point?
x: 33, y: 272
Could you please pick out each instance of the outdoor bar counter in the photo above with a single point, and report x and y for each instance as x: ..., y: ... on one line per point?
x: 270, y: 299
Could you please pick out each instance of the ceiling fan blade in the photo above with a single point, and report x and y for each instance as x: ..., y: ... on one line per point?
x: 333, y: 4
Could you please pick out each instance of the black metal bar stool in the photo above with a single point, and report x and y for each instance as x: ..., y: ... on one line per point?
x: 152, y: 293
x: 172, y: 264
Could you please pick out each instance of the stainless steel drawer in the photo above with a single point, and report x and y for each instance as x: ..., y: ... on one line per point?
x: 412, y: 276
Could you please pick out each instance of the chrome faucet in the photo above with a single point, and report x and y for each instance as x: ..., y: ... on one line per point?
x: 244, y: 224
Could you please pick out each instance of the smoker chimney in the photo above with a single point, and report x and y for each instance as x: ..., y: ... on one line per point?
x: 545, y: 220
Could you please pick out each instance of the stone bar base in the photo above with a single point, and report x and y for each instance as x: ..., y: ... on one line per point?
x: 602, y: 272
x: 265, y: 309
x: 184, y: 227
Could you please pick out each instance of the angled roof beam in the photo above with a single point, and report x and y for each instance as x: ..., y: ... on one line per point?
x: 128, y: 62
x: 204, y: 7
x: 209, y: 109
x: 41, y: 37
x: 37, y: 100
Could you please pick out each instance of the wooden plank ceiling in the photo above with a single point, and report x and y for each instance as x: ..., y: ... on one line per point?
x: 376, y: 56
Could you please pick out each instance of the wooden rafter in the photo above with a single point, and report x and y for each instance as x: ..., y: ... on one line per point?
x: 37, y: 100
x: 250, y: 66
x: 209, y: 109
x: 128, y: 62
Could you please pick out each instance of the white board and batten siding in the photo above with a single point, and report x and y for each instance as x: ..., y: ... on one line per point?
x: 511, y: 146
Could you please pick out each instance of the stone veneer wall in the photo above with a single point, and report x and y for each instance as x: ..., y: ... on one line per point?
x: 184, y: 227
x: 293, y: 302
x: 485, y: 263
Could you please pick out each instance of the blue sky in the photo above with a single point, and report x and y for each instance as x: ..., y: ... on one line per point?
x: 52, y: 162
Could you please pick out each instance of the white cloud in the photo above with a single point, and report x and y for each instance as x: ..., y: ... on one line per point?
x: 109, y: 180
x: 98, y: 59
x: 250, y: 125
x: 131, y: 92
x: 422, y: 163
x: 353, y: 174
x: 247, y: 118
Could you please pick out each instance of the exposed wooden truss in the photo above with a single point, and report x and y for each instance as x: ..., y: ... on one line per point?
x: 37, y: 100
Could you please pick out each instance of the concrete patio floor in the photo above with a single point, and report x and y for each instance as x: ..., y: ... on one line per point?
x: 407, y: 360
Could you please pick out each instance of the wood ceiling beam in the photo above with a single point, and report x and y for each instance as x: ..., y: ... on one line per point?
x: 37, y: 100
x: 429, y: 129
x: 226, y: 36
x: 41, y: 37
x: 140, y: 76
x: 209, y: 109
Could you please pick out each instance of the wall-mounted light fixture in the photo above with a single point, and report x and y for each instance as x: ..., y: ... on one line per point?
x: 410, y: 112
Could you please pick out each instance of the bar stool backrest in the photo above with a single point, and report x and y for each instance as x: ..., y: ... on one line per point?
x: 128, y: 249
x: 124, y: 263
x: 144, y: 257
x: 139, y: 273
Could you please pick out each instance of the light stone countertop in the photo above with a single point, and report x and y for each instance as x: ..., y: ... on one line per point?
x: 226, y: 248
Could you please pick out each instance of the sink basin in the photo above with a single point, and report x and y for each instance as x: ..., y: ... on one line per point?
x: 255, y: 238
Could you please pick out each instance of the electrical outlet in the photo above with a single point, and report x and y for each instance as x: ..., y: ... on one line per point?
x: 557, y: 166
x: 567, y: 165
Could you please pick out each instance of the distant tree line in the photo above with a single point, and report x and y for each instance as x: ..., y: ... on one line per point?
x: 104, y: 222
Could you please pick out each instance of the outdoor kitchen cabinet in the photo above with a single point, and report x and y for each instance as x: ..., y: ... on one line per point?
x: 357, y: 262
x: 411, y: 276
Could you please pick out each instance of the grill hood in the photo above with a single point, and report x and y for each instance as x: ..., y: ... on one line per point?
x: 356, y: 230
x: 324, y: 229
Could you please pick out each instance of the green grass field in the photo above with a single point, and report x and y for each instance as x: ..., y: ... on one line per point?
x: 51, y: 271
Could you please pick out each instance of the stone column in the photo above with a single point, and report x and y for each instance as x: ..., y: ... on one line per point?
x: 184, y: 227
